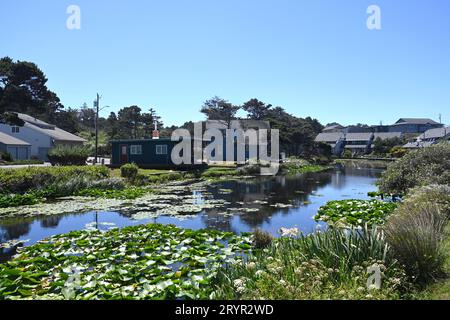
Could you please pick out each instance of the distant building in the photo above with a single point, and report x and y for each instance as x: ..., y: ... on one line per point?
x: 429, y: 138
x: 385, y: 136
x: 414, y: 125
x: 40, y: 135
x: 18, y: 149
x: 333, y: 128
x: 358, y: 143
x: 335, y: 139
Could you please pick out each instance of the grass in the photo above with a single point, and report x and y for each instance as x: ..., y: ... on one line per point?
x: 440, y: 290
x: 300, y: 166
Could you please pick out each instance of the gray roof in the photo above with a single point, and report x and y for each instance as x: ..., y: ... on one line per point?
x: 329, y: 136
x: 415, y: 121
x: 418, y: 144
x: 49, y: 129
x: 435, y: 133
x: 35, y: 121
x: 12, y: 141
x: 333, y: 127
x: 387, y: 135
x: 360, y: 136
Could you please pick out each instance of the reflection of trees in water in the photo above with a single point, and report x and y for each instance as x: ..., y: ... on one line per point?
x: 215, y: 220
x: 14, y: 231
x: 281, y: 189
x: 7, y: 254
x: 51, y: 221
x: 359, y: 169
x: 10, y: 232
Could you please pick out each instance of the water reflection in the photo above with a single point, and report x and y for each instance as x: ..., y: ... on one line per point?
x: 268, y: 203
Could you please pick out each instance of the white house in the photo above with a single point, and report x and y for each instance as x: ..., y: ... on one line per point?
x: 40, y: 135
x: 18, y: 149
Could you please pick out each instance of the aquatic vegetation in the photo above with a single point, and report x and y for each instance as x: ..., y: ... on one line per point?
x: 144, y: 262
x: 301, y: 166
x: 16, y: 200
x: 355, y: 212
x: 326, y: 265
x: 128, y: 193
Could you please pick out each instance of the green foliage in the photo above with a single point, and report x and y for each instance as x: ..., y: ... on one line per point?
x: 347, y: 154
x: 17, y: 200
x: 425, y: 166
x: 128, y: 193
x: 129, y: 171
x: 325, y: 265
x: 143, y: 262
x: 5, y: 156
x: 215, y: 172
x: 40, y: 178
x: 25, y: 162
x: 69, y: 155
x: 23, y: 89
x: 355, y: 212
x: 261, y: 239
x: 398, y: 152
x: 416, y: 234
x: 435, y: 194
x: 294, y: 166
x: 384, y: 146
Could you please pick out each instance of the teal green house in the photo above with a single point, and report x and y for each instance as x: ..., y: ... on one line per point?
x: 146, y: 153
x: 154, y: 153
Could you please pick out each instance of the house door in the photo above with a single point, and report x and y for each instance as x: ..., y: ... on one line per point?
x: 123, y: 154
x: 22, y: 153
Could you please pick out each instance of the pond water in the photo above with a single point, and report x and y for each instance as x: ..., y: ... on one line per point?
x: 268, y: 203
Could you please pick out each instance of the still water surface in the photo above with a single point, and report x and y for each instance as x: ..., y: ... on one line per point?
x: 274, y: 202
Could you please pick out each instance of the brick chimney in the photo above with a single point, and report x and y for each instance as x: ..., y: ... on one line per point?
x: 155, y: 134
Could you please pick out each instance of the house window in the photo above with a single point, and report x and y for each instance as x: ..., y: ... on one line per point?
x: 136, y: 149
x: 15, y: 129
x: 161, y: 149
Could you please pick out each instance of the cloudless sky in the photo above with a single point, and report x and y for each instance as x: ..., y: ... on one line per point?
x: 313, y: 57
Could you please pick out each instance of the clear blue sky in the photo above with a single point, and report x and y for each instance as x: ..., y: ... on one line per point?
x: 313, y: 57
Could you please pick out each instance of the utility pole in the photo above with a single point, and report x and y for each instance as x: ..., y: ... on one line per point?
x: 97, y: 106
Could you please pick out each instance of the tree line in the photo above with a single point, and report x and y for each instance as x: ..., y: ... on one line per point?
x: 23, y: 88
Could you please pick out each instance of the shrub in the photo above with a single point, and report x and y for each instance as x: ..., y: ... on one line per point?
x: 415, y: 234
x: 347, y: 154
x: 39, y: 178
x: 6, y: 157
x: 69, y: 155
x: 129, y: 171
x: 417, y: 168
x: 437, y: 194
x: 261, y: 239
x: 398, y: 152
x: 108, y: 184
